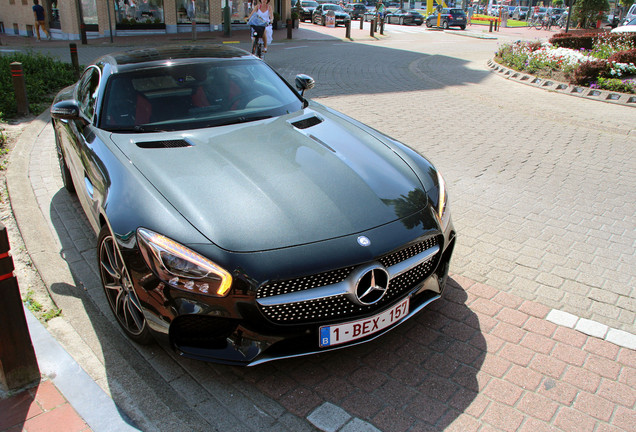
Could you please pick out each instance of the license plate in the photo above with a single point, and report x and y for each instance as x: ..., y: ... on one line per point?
x: 347, y: 332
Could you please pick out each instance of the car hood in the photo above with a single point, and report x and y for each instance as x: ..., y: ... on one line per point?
x: 277, y: 183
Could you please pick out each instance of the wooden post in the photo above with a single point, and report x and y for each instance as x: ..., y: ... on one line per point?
x: 18, y: 364
x: 19, y: 88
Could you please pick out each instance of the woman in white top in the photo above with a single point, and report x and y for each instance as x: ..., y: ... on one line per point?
x: 264, y: 11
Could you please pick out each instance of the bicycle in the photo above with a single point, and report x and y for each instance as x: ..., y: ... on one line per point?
x: 535, y: 22
x: 257, y: 45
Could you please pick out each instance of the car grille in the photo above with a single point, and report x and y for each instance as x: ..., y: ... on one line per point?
x: 339, y: 307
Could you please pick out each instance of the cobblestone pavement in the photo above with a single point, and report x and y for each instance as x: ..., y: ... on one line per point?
x: 541, y: 189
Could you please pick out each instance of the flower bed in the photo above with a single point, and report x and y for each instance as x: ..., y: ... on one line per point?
x: 603, y: 61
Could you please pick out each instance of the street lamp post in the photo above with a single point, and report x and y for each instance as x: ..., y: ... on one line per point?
x: 227, y: 30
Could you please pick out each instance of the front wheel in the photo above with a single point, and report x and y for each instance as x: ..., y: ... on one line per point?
x: 119, y: 289
x: 428, y: 24
x: 445, y: 25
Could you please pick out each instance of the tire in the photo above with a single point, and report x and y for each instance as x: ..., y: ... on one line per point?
x: 259, y: 52
x: 119, y: 290
x: 463, y: 27
x: 445, y: 25
x: 64, y: 171
x: 428, y: 24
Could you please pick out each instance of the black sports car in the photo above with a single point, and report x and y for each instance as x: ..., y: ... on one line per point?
x: 402, y: 16
x: 239, y: 222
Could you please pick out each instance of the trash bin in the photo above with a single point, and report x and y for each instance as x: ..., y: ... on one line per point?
x: 331, y: 19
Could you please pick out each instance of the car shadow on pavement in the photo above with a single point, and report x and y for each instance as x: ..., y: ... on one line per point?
x: 421, y: 375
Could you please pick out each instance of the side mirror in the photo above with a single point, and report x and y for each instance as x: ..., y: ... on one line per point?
x: 65, y: 110
x: 304, y: 82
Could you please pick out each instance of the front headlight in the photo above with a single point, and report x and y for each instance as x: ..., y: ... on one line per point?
x: 182, y: 268
x: 442, y: 214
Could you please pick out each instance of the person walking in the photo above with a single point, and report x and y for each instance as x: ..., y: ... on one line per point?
x: 469, y: 14
x: 38, y: 13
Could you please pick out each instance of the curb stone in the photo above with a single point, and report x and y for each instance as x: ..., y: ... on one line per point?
x: 561, y: 87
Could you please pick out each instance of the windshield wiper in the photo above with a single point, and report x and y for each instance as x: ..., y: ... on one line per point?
x: 240, y: 120
x: 135, y: 129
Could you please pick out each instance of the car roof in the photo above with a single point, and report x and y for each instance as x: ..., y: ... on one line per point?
x: 133, y: 59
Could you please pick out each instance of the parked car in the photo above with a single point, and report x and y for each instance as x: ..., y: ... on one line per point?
x: 630, y: 27
x: 355, y: 10
x: 630, y: 15
x: 370, y: 14
x: 520, y: 13
x: 511, y: 10
x: 305, y: 9
x: 448, y: 18
x: 319, y: 15
x: 238, y: 221
x: 404, y: 17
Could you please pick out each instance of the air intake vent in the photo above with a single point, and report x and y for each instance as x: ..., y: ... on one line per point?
x: 163, y: 144
x: 307, y: 123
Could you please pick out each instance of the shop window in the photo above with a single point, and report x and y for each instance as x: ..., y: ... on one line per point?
x: 197, y: 8
x: 240, y: 10
x: 138, y: 13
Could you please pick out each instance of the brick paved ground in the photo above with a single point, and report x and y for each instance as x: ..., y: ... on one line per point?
x: 40, y: 409
x: 540, y: 189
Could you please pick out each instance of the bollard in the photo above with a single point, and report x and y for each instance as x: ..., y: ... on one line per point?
x: 371, y: 32
x: 361, y: 22
x: 289, y: 28
x: 74, y: 60
x: 19, y: 88
x: 18, y: 364
x: 490, y: 29
x: 382, y: 26
x: 348, y: 29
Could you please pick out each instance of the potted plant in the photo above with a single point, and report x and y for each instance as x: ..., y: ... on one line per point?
x: 295, y: 18
x: 275, y: 24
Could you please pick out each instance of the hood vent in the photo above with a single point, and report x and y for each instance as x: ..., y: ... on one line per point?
x: 307, y: 123
x: 163, y: 144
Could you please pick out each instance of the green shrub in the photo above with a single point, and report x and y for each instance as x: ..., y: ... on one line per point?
x: 44, y: 76
x: 617, y: 85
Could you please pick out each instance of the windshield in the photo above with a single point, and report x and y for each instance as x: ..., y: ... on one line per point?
x: 333, y: 8
x: 193, y: 96
x: 309, y: 4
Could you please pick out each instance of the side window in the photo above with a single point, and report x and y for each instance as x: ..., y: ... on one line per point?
x: 87, y: 91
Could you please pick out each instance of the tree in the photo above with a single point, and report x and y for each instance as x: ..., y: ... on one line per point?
x: 586, y: 12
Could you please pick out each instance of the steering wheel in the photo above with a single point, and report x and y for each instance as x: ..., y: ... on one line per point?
x: 246, y: 97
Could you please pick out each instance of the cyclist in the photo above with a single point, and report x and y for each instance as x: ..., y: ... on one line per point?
x: 260, y: 21
x: 380, y: 9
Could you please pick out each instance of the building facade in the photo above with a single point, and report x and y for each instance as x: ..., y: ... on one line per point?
x: 101, y: 18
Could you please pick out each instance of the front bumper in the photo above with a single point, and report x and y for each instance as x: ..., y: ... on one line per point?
x: 281, y: 317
